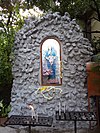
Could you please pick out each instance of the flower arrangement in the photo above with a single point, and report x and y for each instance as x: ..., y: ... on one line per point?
x: 48, y: 92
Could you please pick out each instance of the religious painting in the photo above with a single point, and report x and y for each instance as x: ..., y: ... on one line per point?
x: 51, y: 62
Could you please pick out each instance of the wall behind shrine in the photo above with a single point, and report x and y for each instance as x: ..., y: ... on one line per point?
x: 75, y: 50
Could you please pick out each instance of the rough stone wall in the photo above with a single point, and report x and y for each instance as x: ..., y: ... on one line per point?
x: 76, y: 51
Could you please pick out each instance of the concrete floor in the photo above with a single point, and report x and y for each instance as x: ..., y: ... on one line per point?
x: 42, y: 130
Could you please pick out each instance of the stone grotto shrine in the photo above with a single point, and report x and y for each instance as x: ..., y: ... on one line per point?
x: 49, y: 68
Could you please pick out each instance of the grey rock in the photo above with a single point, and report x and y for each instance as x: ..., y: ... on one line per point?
x: 75, y: 52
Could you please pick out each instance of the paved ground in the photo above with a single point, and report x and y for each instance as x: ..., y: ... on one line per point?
x: 11, y: 130
x: 42, y: 130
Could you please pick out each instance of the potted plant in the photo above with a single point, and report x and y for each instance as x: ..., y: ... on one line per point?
x: 4, y: 110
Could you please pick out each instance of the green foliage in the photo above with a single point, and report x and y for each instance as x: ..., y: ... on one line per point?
x: 96, y: 56
x: 10, y: 23
x: 96, y: 45
x: 6, y: 43
x: 76, y: 8
x: 4, y: 109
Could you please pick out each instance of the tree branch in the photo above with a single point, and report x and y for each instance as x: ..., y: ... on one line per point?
x: 96, y: 31
x: 9, y: 16
x: 97, y: 9
x: 94, y: 18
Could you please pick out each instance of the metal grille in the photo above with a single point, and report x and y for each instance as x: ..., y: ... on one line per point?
x: 78, y: 116
x: 29, y: 121
x: 75, y: 116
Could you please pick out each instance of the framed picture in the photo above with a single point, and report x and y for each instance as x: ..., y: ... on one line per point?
x: 51, y: 62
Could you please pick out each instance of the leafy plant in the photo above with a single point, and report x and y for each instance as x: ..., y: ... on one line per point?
x: 96, y: 65
x: 96, y: 46
x: 10, y: 23
x: 4, y: 109
x: 96, y: 56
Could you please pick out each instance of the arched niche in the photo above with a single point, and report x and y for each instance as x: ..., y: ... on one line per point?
x: 51, y: 68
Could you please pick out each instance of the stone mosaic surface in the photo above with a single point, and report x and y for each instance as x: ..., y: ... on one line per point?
x: 76, y: 51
